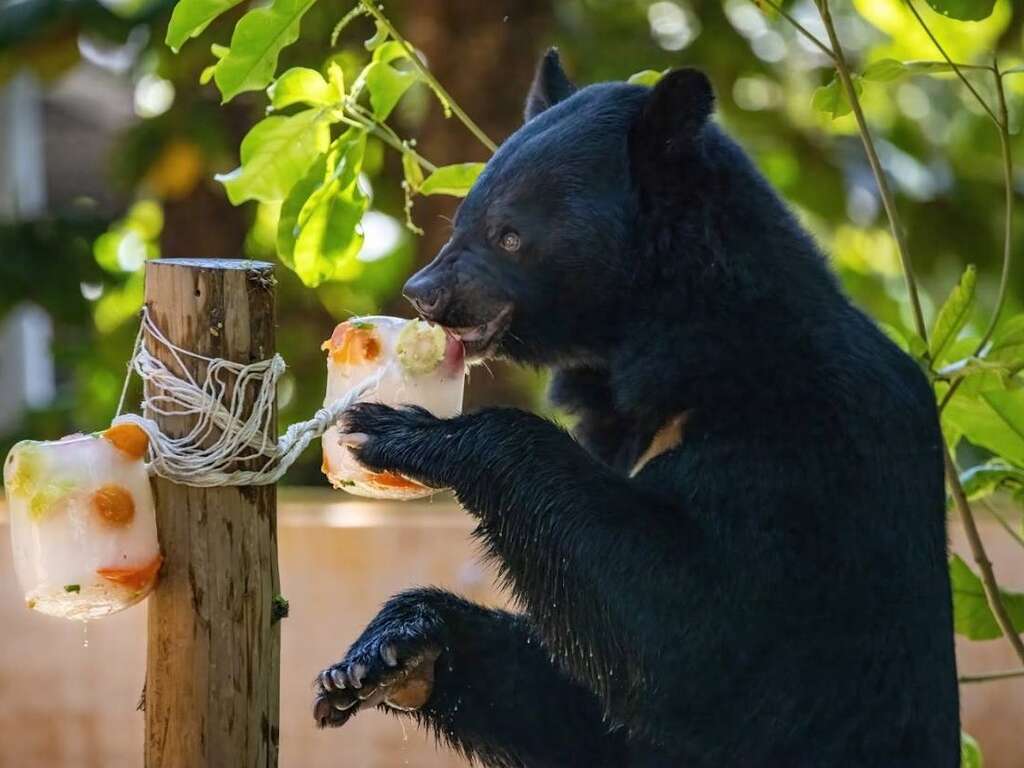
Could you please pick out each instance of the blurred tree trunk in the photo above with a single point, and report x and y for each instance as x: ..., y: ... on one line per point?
x: 203, y: 225
x: 484, y: 53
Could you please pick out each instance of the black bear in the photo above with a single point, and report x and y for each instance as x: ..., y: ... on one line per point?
x: 740, y: 560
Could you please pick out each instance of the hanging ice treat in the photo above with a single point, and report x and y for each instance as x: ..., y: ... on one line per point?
x: 82, y: 523
x: 418, y: 364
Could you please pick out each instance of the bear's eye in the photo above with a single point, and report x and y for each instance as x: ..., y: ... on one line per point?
x: 510, y: 241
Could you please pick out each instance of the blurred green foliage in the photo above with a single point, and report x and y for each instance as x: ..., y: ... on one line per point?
x: 332, y: 172
x: 940, y: 150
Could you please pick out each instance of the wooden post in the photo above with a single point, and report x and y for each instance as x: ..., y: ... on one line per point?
x: 213, y: 662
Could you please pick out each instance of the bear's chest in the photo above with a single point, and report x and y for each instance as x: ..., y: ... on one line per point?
x: 664, y: 439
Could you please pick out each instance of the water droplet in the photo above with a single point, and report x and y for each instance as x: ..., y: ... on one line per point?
x: 85, y: 634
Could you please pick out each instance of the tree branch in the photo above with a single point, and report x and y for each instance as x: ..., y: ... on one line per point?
x: 988, y: 576
x: 800, y: 28
x: 977, y: 547
x: 956, y: 67
x: 843, y: 70
x: 990, y: 676
x: 428, y: 76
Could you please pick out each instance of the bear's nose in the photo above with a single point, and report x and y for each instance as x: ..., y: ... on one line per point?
x: 427, y: 295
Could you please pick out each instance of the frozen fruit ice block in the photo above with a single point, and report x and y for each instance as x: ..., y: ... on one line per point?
x: 83, y: 528
x: 419, y: 364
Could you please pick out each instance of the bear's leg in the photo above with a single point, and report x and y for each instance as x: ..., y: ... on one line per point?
x: 478, y: 677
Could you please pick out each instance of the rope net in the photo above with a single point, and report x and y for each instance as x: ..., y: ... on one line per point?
x: 232, y: 405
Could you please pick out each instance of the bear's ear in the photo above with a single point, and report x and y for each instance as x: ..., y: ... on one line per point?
x: 550, y: 85
x: 678, y: 106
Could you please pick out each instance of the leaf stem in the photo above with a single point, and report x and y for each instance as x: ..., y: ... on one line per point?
x: 1002, y: 123
x: 801, y: 29
x: 388, y: 136
x: 428, y: 76
x: 990, y: 676
x: 926, y: 62
x: 988, y: 577
x: 843, y: 70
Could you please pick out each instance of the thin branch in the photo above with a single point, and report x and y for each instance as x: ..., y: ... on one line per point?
x: 988, y: 576
x: 428, y: 76
x: 925, y: 62
x: 1002, y: 122
x: 800, y: 28
x: 990, y: 676
x: 953, y: 64
x: 1002, y: 522
x: 843, y: 70
x: 988, y: 579
x: 356, y: 120
x: 1004, y: 141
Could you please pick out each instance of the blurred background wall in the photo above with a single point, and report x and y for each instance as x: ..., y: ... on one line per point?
x: 108, y: 146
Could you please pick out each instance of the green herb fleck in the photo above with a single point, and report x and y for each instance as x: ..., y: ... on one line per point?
x: 279, y: 608
x: 72, y: 588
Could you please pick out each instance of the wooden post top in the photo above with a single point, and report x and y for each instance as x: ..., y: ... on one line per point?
x: 213, y: 263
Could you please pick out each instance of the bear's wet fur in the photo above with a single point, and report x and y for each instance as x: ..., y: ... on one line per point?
x: 770, y: 592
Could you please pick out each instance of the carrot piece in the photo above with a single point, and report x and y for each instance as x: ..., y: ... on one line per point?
x: 130, y: 439
x: 353, y: 344
x: 135, y: 578
x: 114, y: 505
x: 394, y: 480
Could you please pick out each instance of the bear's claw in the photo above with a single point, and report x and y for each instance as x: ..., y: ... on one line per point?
x: 376, y: 672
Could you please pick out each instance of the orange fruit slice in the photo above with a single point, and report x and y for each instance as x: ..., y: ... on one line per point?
x: 394, y: 480
x: 113, y: 504
x: 129, y: 439
x: 136, y: 578
x: 353, y: 344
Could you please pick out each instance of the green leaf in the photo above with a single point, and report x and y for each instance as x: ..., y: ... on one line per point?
x: 387, y: 85
x: 291, y: 207
x: 1008, y: 344
x: 963, y: 10
x: 908, y: 341
x: 972, y: 617
x: 953, y: 316
x: 989, y: 477
x: 257, y: 41
x: 301, y: 85
x: 646, y: 77
x: 191, y: 17
x: 72, y: 587
x: 318, y: 232
x: 275, y: 155
x: 970, y: 752
x: 977, y: 419
x: 453, y: 180
x: 832, y: 99
x: 1008, y: 405
x: 885, y: 70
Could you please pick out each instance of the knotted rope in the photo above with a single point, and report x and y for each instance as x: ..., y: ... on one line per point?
x: 226, y: 430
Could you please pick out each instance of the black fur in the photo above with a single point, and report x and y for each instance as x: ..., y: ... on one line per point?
x: 773, y: 592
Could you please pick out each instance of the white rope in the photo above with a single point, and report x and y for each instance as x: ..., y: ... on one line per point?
x: 227, y: 430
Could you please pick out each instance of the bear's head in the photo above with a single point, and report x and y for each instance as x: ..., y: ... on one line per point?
x: 543, y: 261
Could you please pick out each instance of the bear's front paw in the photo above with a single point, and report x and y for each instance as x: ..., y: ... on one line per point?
x: 403, y: 440
x: 393, y: 667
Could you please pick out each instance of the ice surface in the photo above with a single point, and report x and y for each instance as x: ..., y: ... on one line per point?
x: 83, y: 529
x: 420, y: 366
